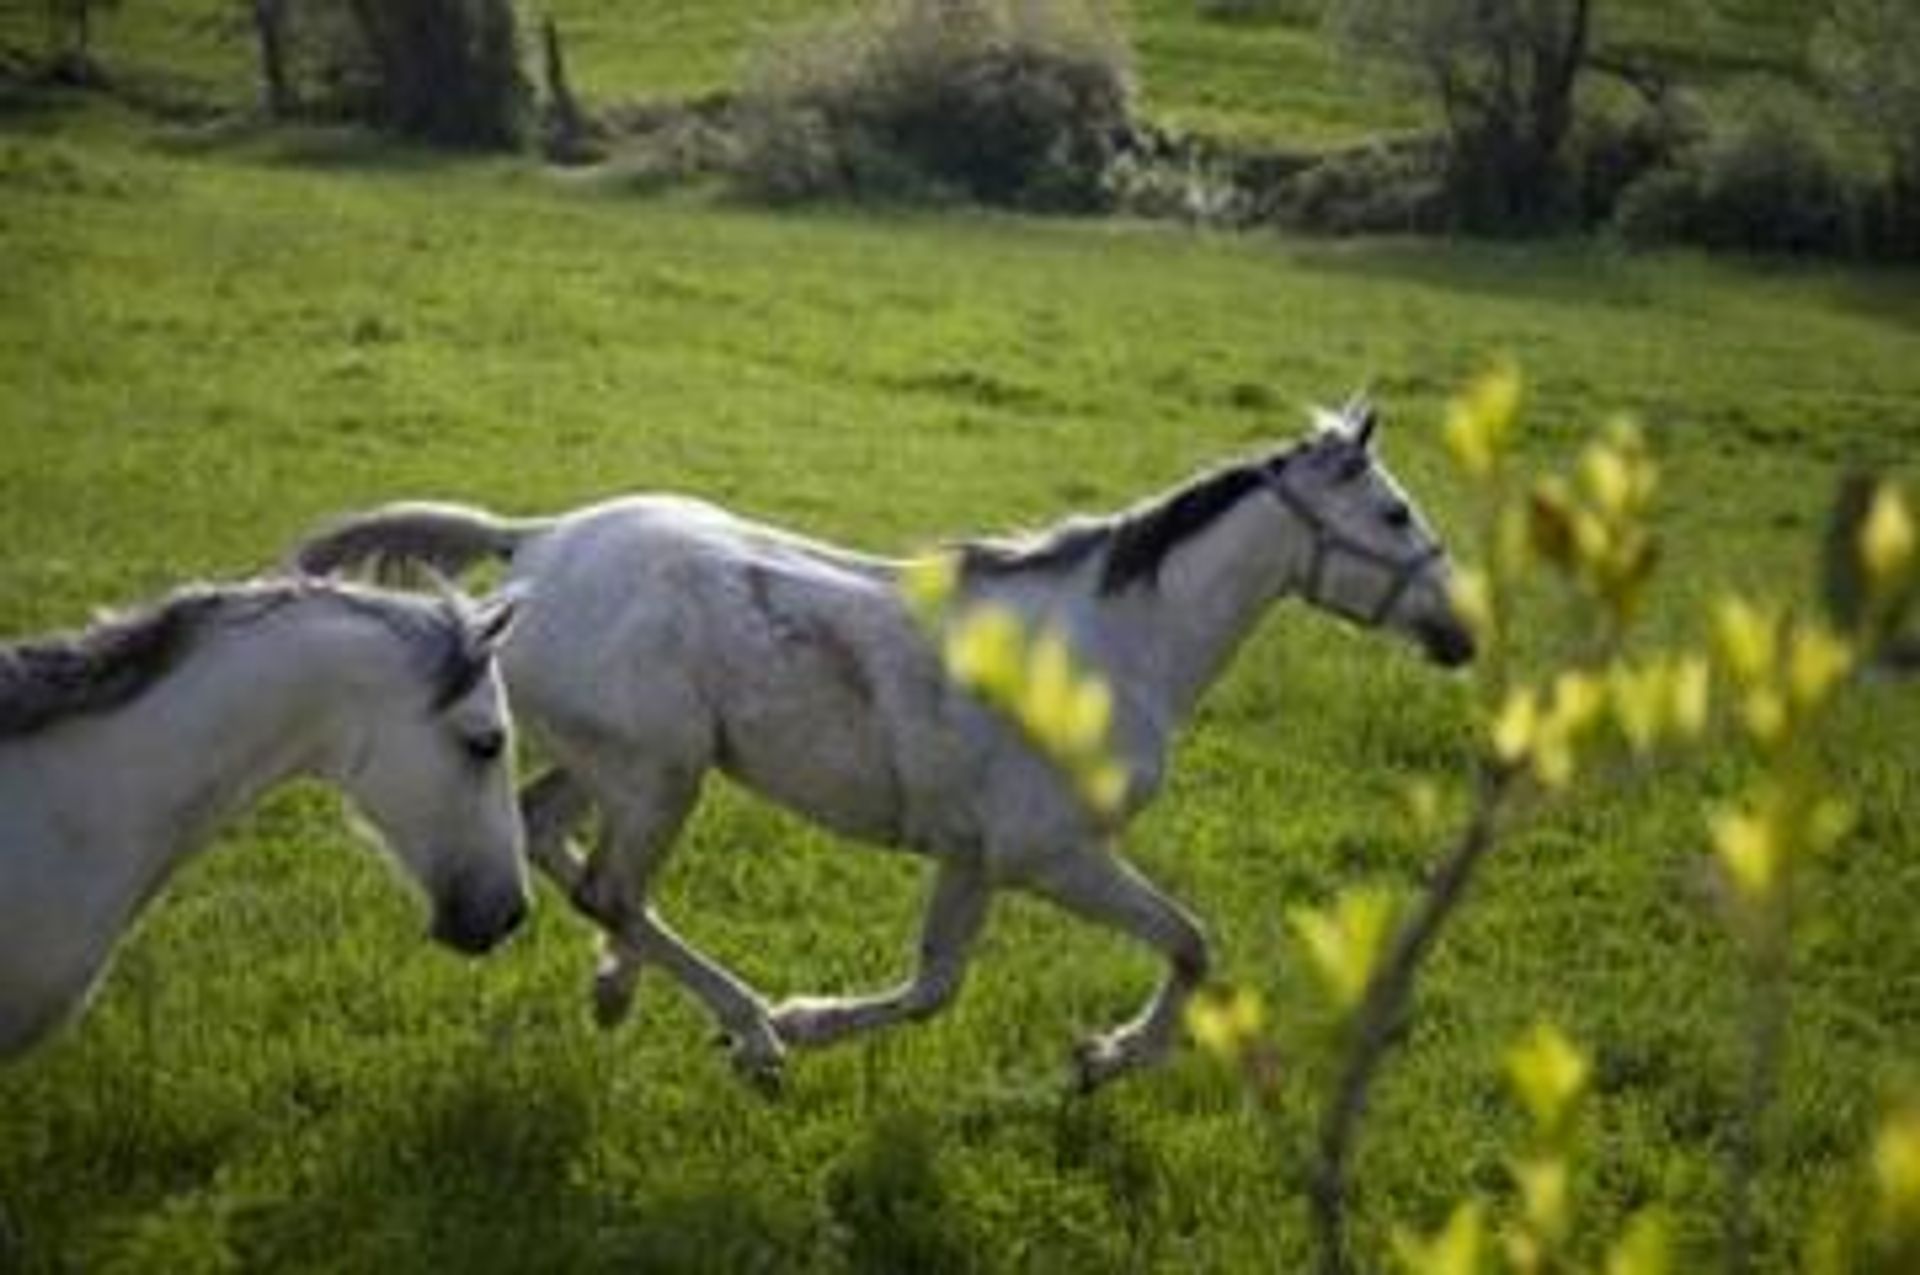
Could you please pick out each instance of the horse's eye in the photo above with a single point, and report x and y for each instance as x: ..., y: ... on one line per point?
x: 486, y: 746
x: 1398, y: 516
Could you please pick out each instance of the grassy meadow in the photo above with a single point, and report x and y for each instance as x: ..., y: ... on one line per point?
x: 211, y: 339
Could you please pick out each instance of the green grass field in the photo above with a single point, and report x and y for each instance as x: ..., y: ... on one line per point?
x: 206, y: 344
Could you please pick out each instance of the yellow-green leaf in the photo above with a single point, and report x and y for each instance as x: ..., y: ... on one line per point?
x: 1454, y: 1251
x: 1642, y: 1248
x: 1578, y: 700
x: 928, y: 584
x: 1886, y: 536
x: 1047, y: 701
x: 1343, y: 942
x: 1548, y: 1073
x: 1817, y: 659
x: 1639, y: 698
x: 1471, y: 592
x: 1543, y: 1197
x: 1104, y: 786
x: 1896, y: 1170
x: 1608, y: 480
x: 1750, y: 849
x: 1764, y: 713
x: 1089, y: 713
x: 1516, y: 724
x: 984, y: 650
x: 1225, y: 1021
x: 1481, y: 418
x: 1746, y: 636
x: 1689, y: 687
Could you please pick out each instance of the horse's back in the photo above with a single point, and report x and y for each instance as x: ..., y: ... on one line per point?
x: 695, y: 637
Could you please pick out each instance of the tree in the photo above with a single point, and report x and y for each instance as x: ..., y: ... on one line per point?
x: 1504, y: 75
x: 70, y: 38
x: 270, y: 29
x: 1868, y: 52
x: 443, y: 71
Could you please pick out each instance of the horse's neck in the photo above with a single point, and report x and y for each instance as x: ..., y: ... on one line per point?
x: 1211, y: 592
x: 150, y: 780
x: 96, y: 814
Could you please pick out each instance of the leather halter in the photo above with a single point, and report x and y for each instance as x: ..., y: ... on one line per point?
x: 1329, y: 540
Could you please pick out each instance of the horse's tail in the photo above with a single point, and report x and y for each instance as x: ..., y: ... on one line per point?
x: 447, y: 538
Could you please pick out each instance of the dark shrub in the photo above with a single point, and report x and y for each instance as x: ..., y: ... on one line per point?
x: 1614, y: 146
x: 1394, y: 185
x: 1022, y: 106
x: 1768, y: 175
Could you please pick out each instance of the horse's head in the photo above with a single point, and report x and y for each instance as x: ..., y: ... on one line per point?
x: 431, y: 768
x: 1370, y: 556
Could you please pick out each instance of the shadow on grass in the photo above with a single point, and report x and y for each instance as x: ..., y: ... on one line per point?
x: 887, y: 1200
x: 1570, y: 272
x: 496, y: 1171
x: 315, y: 147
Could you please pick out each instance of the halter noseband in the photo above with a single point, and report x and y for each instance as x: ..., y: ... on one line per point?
x: 1329, y: 540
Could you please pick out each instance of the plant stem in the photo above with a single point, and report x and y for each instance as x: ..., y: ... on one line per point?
x: 1766, y: 1028
x: 1377, y: 1020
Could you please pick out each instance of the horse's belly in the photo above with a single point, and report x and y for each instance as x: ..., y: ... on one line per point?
x: 831, y: 768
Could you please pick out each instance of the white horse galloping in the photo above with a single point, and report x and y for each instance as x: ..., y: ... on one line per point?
x: 122, y: 747
x: 663, y: 638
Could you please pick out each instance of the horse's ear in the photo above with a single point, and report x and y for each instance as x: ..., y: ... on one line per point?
x: 492, y: 621
x: 1362, y: 419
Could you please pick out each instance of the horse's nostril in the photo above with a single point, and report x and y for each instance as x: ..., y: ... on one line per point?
x: 1449, y: 645
x: 516, y: 913
x: 474, y: 924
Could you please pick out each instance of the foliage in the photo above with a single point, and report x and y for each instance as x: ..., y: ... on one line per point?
x: 1389, y: 186
x: 70, y: 39
x: 1004, y: 103
x: 1868, y: 53
x: 1030, y: 674
x: 1768, y: 174
x: 1782, y: 676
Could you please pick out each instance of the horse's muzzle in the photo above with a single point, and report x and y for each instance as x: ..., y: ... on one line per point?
x: 1448, y: 644
x: 475, y: 923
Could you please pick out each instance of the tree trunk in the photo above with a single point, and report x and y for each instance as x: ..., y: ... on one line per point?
x: 566, y: 140
x: 270, y: 26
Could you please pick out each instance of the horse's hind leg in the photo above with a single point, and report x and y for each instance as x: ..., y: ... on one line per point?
x: 551, y: 807
x: 642, y: 817
x: 1094, y: 883
x: 955, y: 914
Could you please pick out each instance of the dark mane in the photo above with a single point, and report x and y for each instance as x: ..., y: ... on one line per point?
x: 114, y: 661
x: 1136, y: 541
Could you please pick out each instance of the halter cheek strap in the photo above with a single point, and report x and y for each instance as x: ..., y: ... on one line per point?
x: 1329, y: 540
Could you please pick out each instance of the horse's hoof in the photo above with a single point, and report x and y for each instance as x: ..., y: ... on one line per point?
x: 763, y: 1069
x: 613, y: 988
x: 1096, y: 1060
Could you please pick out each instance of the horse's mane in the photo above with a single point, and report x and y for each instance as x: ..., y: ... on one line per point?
x: 117, y: 659
x: 1136, y: 541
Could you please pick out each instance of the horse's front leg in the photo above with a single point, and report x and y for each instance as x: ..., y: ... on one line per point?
x: 955, y: 914
x: 1095, y: 883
